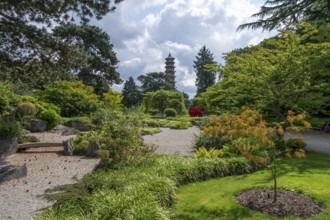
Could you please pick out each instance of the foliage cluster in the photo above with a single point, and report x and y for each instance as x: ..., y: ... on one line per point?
x: 118, y: 137
x: 162, y: 99
x: 236, y: 134
x: 170, y: 123
x: 32, y: 50
x: 9, y: 129
x: 170, y: 112
x: 275, y: 76
x: 144, y: 191
x: 73, y: 98
x: 194, y: 111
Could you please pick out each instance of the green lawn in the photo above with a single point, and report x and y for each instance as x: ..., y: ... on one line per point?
x: 215, y: 199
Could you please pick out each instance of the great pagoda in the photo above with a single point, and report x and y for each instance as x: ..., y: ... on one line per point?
x: 170, y: 70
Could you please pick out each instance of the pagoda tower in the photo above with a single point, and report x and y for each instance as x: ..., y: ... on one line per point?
x: 170, y: 71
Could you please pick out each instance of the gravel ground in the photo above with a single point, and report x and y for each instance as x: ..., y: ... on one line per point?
x: 172, y: 141
x: 47, y: 168
x: 316, y: 140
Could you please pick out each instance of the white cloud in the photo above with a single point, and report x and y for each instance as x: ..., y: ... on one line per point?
x: 143, y: 32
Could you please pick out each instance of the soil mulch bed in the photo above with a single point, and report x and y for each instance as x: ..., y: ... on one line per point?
x: 288, y: 203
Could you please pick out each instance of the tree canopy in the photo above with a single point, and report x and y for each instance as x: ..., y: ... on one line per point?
x: 162, y: 99
x: 131, y: 93
x: 276, y: 13
x: 28, y: 50
x: 275, y: 76
x: 204, y: 77
x: 154, y: 81
x: 100, y: 71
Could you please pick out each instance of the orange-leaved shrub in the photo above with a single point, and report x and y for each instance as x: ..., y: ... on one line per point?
x: 241, y: 134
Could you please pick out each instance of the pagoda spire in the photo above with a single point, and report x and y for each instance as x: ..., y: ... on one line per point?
x: 170, y: 69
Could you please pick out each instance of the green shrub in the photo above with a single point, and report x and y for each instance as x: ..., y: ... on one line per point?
x: 51, y: 117
x: 4, y: 104
x: 27, y: 139
x: 25, y: 109
x: 295, y: 143
x: 179, y: 124
x: 279, y: 142
x: 8, y: 98
x: 101, y: 116
x: 170, y: 112
x: 10, y: 129
x: 81, y: 148
x: 203, y: 152
x: 73, y: 98
x: 208, y: 141
x: 153, y: 111
x: 163, y: 99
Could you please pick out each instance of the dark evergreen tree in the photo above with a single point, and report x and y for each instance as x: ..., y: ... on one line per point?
x: 276, y: 13
x: 204, y: 77
x: 155, y: 81
x: 29, y: 51
x: 187, y: 101
x: 131, y: 93
x: 100, y: 71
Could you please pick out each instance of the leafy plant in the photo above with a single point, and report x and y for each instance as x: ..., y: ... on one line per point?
x: 9, y: 129
x: 73, y: 98
x: 170, y: 112
x: 295, y: 143
x: 25, y: 109
x: 211, y: 153
x: 51, y: 117
x: 208, y: 141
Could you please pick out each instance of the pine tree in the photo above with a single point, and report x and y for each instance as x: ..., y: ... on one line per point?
x: 276, y: 13
x: 28, y: 49
x: 131, y: 93
x: 204, y: 77
x: 155, y: 81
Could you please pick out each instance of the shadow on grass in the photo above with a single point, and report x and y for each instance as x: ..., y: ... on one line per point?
x: 206, y: 213
x: 313, y: 163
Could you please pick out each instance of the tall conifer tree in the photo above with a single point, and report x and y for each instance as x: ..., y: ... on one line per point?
x: 204, y: 77
x: 131, y: 93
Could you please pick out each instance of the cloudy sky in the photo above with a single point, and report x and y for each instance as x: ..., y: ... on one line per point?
x: 143, y: 31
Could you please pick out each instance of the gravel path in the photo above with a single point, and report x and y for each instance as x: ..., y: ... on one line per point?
x: 316, y: 140
x: 47, y: 168
x: 173, y: 141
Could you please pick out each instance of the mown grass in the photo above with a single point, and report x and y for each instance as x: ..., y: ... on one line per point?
x: 215, y: 199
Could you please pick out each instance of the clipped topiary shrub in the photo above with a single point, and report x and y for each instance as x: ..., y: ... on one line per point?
x: 51, y: 117
x: 170, y: 112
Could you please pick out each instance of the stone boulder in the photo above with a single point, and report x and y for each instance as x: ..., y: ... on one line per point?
x: 9, y: 172
x: 80, y: 125
x: 64, y: 130
x: 8, y: 147
x: 38, y: 125
x: 93, y: 147
x: 68, y: 148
